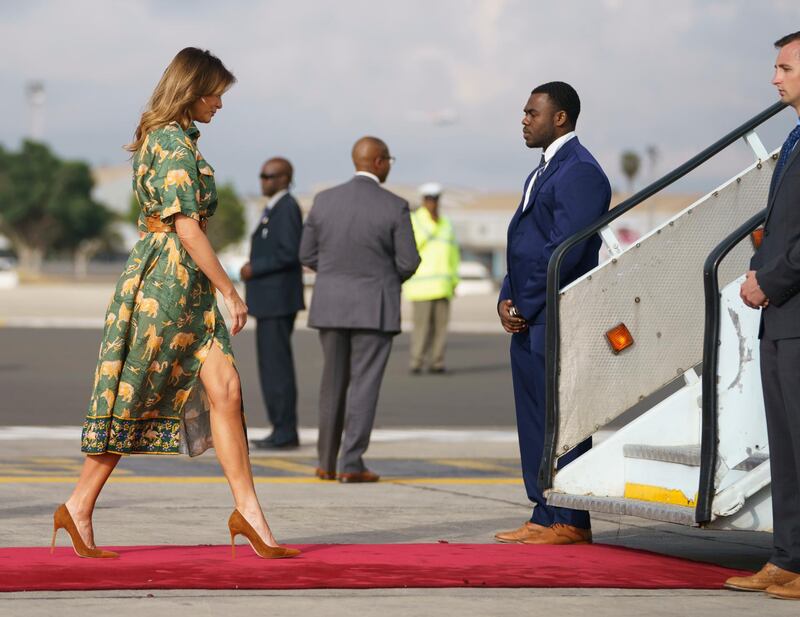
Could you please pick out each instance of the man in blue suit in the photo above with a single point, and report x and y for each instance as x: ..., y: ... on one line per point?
x: 564, y: 194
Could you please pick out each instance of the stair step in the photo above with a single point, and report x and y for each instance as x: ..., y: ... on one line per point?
x: 659, y: 494
x: 684, y: 455
x: 681, y: 515
x: 753, y: 461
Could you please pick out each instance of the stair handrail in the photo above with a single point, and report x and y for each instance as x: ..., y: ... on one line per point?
x: 552, y: 329
x: 709, y: 434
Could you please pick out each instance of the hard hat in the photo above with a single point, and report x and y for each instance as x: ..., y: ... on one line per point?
x: 430, y: 189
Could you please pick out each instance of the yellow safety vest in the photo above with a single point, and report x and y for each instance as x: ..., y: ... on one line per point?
x: 437, y: 275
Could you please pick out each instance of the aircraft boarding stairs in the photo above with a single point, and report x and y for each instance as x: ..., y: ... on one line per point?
x: 698, y: 454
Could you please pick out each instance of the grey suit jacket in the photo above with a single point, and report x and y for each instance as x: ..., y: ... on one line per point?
x: 777, y: 261
x: 358, y: 238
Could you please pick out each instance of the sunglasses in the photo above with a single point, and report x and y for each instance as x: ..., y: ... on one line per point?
x: 270, y: 176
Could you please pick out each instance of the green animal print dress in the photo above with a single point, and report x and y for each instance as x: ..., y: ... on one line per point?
x: 163, y: 317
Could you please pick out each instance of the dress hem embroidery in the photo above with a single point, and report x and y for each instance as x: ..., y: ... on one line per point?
x: 121, y: 436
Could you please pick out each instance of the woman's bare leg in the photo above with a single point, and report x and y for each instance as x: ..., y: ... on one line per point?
x: 96, y: 470
x: 221, y: 382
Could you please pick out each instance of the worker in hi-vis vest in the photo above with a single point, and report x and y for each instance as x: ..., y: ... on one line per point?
x: 434, y: 282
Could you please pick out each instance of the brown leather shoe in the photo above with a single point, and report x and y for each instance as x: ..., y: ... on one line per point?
x: 325, y: 475
x: 789, y: 591
x: 360, y: 476
x: 514, y: 536
x: 769, y: 575
x: 560, y: 534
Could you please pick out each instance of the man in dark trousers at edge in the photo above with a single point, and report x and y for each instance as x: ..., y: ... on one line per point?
x: 274, y: 286
x: 566, y: 192
x: 772, y: 284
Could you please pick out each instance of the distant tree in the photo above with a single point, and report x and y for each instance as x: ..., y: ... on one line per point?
x: 26, y: 200
x: 85, y: 225
x: 227, y: 226
x: 133, y: 211
x: 45, y: 203
x: 630, y: 163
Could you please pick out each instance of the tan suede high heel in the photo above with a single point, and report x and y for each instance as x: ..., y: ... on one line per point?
x: 63, y: 520
x: 239, y: 525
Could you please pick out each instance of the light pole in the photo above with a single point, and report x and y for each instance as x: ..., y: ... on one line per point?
x: 36, y: 97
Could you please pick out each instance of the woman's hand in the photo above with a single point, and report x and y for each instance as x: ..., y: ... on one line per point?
x: 237, y: 310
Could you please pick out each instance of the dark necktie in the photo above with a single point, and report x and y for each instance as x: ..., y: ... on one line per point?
x: 534, y: 178
x: 786, y: 151
x: 539, y: 169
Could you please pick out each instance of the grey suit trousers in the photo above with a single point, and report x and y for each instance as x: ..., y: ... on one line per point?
x: 354, y: 363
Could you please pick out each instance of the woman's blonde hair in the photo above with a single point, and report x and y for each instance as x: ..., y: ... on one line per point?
x: 192, y: 74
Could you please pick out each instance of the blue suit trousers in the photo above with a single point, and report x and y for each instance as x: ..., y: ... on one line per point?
x: 528, y: 372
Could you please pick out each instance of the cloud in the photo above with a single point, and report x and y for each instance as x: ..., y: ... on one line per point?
x: 313, y: 76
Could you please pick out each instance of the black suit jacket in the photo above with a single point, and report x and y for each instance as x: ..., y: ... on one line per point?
x: 777, y: 261
x: 276, y: 288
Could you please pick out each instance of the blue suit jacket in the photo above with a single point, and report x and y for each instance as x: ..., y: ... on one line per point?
x: 572, y: 193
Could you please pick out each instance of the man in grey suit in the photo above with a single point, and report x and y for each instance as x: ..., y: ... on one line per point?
x: 358, y: 238
x: 773, y: 285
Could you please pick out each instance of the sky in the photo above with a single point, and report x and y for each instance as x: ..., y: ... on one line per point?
x: 443, y: 82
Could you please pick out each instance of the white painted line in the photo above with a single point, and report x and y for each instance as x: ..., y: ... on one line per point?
x: 308, y: 435
x: 77, y: 323
x: 96, y: 323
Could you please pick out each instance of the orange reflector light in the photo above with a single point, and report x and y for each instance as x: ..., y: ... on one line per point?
x: 619, y: 337
x: 757, y: 236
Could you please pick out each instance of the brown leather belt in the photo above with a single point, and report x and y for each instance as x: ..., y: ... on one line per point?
x: 156, y: 225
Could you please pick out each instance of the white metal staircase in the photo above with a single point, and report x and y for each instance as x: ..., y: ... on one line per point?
x: 657, y: 465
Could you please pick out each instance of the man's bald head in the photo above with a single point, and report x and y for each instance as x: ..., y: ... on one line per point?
x: 372, y: 155
x: 276, y: 175
x: 280, y: 165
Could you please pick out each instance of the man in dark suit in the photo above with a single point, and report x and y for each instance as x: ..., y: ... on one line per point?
x: 274, y: 285
x: 358, y: 238
x: 564, y: 194
x: 772, y: 284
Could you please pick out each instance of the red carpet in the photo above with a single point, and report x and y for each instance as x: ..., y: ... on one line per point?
x: 356, y: 566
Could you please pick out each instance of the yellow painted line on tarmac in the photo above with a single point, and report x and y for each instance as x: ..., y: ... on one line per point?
x: 43, y: 466
x: 469, y: 463
x: 152, y: 480
x: 476, y: 480
x: 282, y: 465
x: 257, y: 479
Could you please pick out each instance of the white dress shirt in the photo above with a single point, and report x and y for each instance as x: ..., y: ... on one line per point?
x: 276, y: 198
x: 368, y: 175
x: 549, y: 153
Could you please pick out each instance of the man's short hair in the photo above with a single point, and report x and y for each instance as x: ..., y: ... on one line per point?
x: 789, y: 38
x: 564, y: 97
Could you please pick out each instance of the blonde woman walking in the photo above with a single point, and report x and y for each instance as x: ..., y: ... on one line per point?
x: 166, y: 382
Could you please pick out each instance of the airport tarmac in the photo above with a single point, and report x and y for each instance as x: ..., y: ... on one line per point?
x: 445, y: 446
